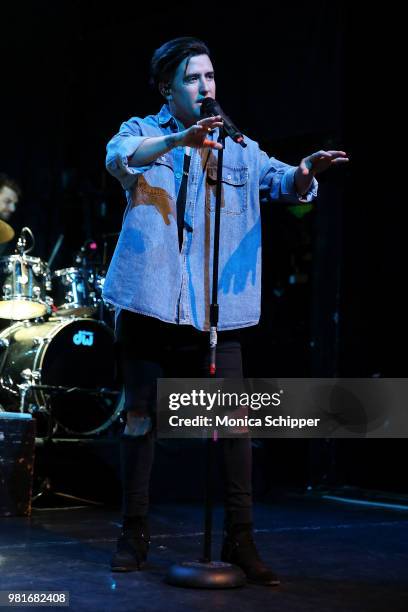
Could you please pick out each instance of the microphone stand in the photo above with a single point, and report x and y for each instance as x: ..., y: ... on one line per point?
x: 205, y: 573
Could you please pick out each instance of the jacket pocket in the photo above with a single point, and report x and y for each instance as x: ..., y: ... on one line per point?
x: 164, y: 160
x: 159, y: 177
x: 234, y: 189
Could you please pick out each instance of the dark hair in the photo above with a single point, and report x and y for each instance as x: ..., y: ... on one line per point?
x: 6, y: 181
x: 169, y: 56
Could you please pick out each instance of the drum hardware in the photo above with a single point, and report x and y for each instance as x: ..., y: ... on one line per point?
x: 4, y: 344
x: 9, y: 387
x: 46, y: 488
x: 29, y: 386
x: 50, y: 389
x: 23, y: 390
x: 37, y: 341
x: 29, y: 375
x: 49, y: 300
x: 105, y: 246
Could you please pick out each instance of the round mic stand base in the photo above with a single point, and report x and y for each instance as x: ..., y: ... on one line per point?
x: 206, y: 575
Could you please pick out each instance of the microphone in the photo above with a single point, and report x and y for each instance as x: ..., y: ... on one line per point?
x: 211, y: 108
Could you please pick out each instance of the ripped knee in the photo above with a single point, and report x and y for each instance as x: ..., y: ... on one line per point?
x: 137, y: 425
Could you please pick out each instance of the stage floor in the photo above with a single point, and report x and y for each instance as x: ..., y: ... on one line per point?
x: 329, y: 556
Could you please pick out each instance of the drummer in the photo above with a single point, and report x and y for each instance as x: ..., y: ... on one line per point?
x: 10, y: 193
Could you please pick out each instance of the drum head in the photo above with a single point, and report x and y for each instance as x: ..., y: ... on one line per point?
x: 81, y: 355
x: 20, y: 309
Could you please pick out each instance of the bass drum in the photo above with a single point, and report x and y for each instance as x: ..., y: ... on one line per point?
x: 74, y: 353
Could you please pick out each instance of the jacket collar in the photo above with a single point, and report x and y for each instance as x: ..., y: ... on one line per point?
x: 166, y: 118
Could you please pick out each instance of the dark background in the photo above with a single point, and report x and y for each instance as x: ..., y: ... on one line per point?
x: 297, y: 77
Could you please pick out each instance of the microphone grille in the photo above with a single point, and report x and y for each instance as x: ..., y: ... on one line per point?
x: 208, y: 107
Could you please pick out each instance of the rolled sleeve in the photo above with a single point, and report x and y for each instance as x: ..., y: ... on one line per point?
x: 278, y: 182
x: 288, y: 188
x: 119, y: 151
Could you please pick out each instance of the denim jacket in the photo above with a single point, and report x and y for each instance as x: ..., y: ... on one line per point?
x: 148, y: 274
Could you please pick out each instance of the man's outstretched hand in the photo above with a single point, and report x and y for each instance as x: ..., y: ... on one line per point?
x: 315, y: 163
x: 321, y: 161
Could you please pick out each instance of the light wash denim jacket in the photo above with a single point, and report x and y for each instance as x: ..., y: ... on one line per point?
x: 148, y: 274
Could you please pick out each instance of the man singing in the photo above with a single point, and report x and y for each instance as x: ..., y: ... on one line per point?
x: 160, y: 277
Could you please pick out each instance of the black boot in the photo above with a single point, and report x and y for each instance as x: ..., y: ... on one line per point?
x: 239, y: 548
x: 132, y: 546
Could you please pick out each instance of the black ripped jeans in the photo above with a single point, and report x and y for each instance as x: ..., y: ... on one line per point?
x: 150, y: 349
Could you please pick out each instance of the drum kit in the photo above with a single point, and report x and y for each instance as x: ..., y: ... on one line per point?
x: 57, y: 358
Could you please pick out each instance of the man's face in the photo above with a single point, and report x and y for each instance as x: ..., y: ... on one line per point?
x: 8, y: 201
x: 190, y: 86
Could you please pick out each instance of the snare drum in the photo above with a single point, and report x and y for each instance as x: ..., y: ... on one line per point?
x: 25, y: 281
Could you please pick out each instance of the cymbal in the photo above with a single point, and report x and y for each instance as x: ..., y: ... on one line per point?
x: 6, y: 232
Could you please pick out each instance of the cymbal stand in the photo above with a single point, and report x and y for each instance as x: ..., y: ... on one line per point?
x: 46, y: 488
